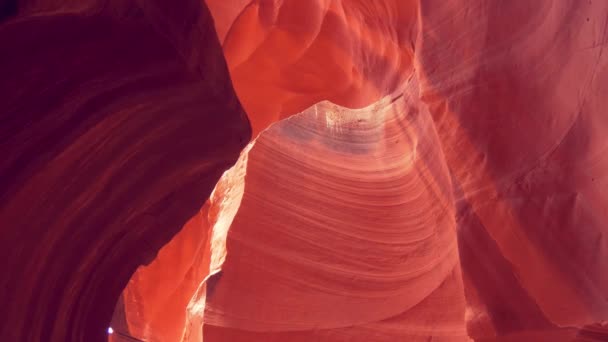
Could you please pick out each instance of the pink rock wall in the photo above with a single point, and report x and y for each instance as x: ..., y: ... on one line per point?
x: 435, y: 170
x: 517, y: 110
x: 114, y: 130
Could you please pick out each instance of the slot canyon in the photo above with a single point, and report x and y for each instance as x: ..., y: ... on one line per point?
x: 303, y: 170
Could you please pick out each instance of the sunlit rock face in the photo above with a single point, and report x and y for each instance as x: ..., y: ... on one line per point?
x: 517, y: 111
x: 443, y: 178
x: 157, y: 294
x: 116, y: 121
x: 345, y: 231
x: 483, y: 102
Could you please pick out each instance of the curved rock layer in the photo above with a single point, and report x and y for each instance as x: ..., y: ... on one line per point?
x: 518, y: 117
x: 368, y: 69
x: 521, y: 117
x: 345, y: 231
x: 117, y: 119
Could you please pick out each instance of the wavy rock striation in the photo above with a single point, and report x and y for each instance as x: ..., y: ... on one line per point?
x: 522, y: 122
x: 472, y: 169
x: 117, y: 119
x: 345, y: 231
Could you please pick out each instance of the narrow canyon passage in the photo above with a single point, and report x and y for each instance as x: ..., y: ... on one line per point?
x: 505, y: 294
x: 319, y: 170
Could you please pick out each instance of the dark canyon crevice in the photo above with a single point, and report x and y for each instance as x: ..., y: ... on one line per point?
x: 117, y: 119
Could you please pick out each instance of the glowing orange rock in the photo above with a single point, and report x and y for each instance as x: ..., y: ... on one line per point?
x: 345, y: 231
x: 157, y: 294
x: 487, y: 178
x: 285, y: 56
x: 519, y: 122
x: 356, y: 84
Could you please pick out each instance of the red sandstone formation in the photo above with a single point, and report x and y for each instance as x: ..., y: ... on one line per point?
x: 116, y: 123
x: 351, y: 53
x: 521, y: 117
x: 345, y: 231
x: 158, y: 294
x: 443, y: 177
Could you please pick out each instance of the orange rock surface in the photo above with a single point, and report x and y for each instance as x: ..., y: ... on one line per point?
x: 522, y: 122
x: 345, y: 231
x: 419, y: 170
x: 484, y: 87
